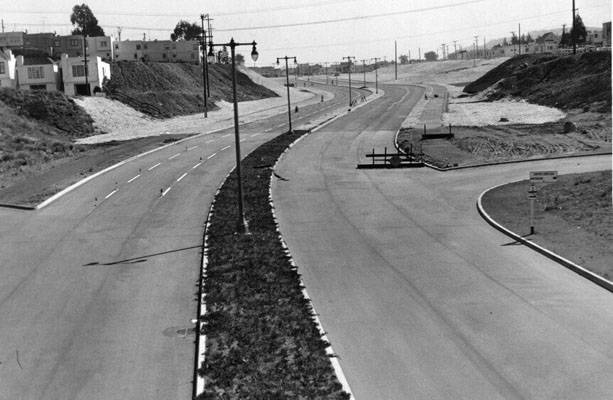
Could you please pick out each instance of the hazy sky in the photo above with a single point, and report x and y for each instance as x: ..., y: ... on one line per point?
x: 360, y: 28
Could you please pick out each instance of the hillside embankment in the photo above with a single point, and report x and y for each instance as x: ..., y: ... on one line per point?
x: 567, y: 82
x: 164, y: 90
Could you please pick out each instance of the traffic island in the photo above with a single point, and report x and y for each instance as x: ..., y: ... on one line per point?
x: 573, y: 221
x: 262, y: 340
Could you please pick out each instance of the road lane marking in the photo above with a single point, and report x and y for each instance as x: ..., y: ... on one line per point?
x: 269, y: 129
x: 242, y: 140
x: 192, y: 147
x: 197, y: 165
x: 255, y: 134
x: 133, y: 179
x: 166, y: 191
x: 227, y: 134
x: 110, y: 194
x: 211, y: 156
x: 225, y: 148
x: 175, y: 156
x: 150, y: 168
x: 181, y: 177
x: 210, y: 141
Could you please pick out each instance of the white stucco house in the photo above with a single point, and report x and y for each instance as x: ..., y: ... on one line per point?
x: 37, y: 73
x: 7, y: 68
x: 73, y: 74
x: 157, y: 50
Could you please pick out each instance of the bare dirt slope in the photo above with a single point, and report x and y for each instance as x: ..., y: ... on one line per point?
x: 164, y: 90
x: 579, y: 81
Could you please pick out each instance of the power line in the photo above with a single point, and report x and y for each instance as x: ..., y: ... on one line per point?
x: 361, y: 17
x: 185, y: 15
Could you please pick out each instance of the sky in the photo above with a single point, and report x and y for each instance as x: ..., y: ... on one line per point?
x: 316, y: 31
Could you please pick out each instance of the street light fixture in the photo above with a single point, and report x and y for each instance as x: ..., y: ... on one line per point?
x: 289, y: 108
x: 242, y: 222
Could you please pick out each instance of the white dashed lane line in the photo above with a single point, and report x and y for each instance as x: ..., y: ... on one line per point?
x: 110, y: 194
x: 151, y: 168
x: 256, y: 134
x: 133, y: 179
x: 181, y: 177
x: 166, y: 191
x: 211, y: 156
x: 225, y: 148
x: 210, y: 141
x: 226, y: 135
x: 175, y: 156
x: 197, y: 165
x: 192, y: 147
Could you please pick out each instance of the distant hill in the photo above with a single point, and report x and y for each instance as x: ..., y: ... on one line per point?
x: 565, y: 82
x: 164, y: 90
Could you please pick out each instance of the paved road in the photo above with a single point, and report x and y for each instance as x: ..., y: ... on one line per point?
x: 420, y: 297
x: 97, y: 290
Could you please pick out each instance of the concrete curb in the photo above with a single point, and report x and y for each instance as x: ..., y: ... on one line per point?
x: 606, y: 284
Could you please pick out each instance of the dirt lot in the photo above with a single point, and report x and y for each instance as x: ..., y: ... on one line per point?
x: 574, y: 217
x: 513, y: 142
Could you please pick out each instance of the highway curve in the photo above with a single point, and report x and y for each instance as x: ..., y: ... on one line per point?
x: 98, y: 289
x: 420, y: 297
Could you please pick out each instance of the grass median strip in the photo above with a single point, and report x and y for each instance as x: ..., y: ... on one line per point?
x: 262, y: 341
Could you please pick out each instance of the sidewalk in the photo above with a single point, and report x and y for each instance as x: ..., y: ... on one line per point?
x: 429, y: 110
x: 123, y: 123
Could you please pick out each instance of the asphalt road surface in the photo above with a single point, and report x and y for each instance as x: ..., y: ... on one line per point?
x: 420, y: 297
x: 98, y: 290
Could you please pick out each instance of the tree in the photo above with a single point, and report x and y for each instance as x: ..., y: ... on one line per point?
x: 404, y: 59
x: 431, y: 56
x: 579, y: 32
x: 86, y: 22
x: 186, y: 31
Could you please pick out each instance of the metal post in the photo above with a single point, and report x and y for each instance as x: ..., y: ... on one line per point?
x: 241, y: 223
x: 519, y: 37
x: 395, y: 60
x: 531, y: 192
x: 204, y: 63
x: 349, y: 62
x: 289, y: 108
x: 573, y: 33
x: 364, y: 71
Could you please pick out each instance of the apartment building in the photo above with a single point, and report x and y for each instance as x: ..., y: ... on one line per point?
x: 158, y: 50
x: 73, y: 74
x: 37, y: 73
x: 7, y: 68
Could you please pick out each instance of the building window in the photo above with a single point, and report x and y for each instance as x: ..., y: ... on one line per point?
x: 2, y: 68
x: 103, y: 44
x: 135, y: 56
x: 36, y: 73
x: 195, y: 47
x: 78, y: 70
x: 74, y: 43
x: 145, y: 46
x: 163, y: 55
x: 193, y: 55
x: 116, y: 47
x: 138, y: 47
x: 174, y: 56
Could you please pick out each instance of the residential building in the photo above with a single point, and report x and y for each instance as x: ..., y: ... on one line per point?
x: 7, y: 68
x: 97, y: 46
x: 37, y: 73
x: 606, y: 34
x: 12, y: 39
x: 157, y: 50
x: 594, y: 37
x: 42, y: 42
x: 73, y: 74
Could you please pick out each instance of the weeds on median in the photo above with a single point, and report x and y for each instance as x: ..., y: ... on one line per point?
x: 262, y: 341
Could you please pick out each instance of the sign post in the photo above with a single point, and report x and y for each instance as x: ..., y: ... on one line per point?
x: 538, y: 177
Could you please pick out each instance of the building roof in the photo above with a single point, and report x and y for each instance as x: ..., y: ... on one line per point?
x: 37, y: 61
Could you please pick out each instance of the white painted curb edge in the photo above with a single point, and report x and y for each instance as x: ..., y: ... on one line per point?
x: 603, y: 282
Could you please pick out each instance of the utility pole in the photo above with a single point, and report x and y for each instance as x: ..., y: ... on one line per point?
x: 364, y: 71
x: 573, y: 32
x: 209, y: 30
x: 348, y: 58
x: 455, y: 50
x: 326, y: 71
x: 395, y: 60
x: 376, y: 75
x: 519, y: 37
x: 3, y: 26
x: 484, y: 49
x: 204, y: 68
x: 88, y: 92
x: 289, y: 107
x: 419, y: 53
x: 443, y: 48
x: 119, y: 33
x: 476, y: 46
x: 512, y: 36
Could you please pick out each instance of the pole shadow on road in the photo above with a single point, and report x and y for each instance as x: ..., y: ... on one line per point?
x: 140, y: 259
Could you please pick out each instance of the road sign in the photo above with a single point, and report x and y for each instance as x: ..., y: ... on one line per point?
x: 543, y: 176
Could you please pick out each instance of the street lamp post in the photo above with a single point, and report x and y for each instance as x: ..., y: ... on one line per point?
x: 364, y: 71
x: 289, y: 107
x: 205, y: 69
x: 376, y: 75
x: 348, y: 58
x: 242, y: 222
